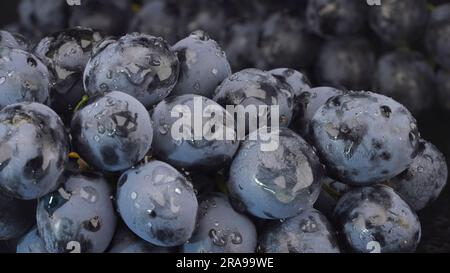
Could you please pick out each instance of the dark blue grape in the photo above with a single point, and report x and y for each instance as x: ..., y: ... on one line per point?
x: 43, y: 16
x: 241, y: 46
x: 205, y: 16
x: 138, y: 64
x: 257, y: 88
x: 33, y: 150
x: 203, y: 65
x: 309, y: 232
x: 298, y: 82
x: 205, y: 154
x: 158, y: 204
x: 109, y: 16
x: 406, y: 77
x: 158, y: 19
x: 78, y: 217
x: 277, y: 183
x: 375, y: 219
x: 336, y: 17
x: 66, y: 53
x: 16, y: 216
x: 425, y: 178
x: 399, y: 22
x: 346, y: 63
x: 364, y: 138
x: 436, y: 39
x: 125, y: 241
x: 31, y: 243
x: 23, y: 77
x: 112, y: 133
x: 285, y: 42
x: 220, y: 229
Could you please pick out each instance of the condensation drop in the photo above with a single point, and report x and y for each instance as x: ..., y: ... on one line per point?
x: 133, y: 195
x: 216, y: 238
x: 236, y: 238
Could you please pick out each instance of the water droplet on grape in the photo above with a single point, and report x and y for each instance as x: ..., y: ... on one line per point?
x: 236, y: 238
x: 134, y: 195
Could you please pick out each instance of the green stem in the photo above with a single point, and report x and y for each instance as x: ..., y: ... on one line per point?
x: 81, y: 104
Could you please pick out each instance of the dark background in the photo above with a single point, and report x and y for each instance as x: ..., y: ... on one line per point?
x: 433, y: 126
x: 8, y: 12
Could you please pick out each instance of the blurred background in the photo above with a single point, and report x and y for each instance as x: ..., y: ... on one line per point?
x: 342, y: 45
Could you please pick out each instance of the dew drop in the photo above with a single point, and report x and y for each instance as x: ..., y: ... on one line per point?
x: 385, y: 111
x: 164, y: 129
x: 101, y: 129
x: 236, y: 238
x: 283, y: 119
x: 89, y: 194
x: 2, y: 80
x: 104, y: 87
x: 151, y: 213
x: 215, y: 71
x: 216, y: 238
x: 31, y: 62
x: 133, y: 195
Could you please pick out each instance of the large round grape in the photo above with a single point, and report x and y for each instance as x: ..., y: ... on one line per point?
x: 207, y: 153
x: 138, y: 64
x: 33, y: 150
x: 43, y: 16
x: 364, y: 138
x: 125, y: 241
x: 108, y: 16
x: 112, y: 133
x: 329, y: 18
x: 157, y: 18
x: 438, y: 31
x: 220, y: 229
x: 157, y: 203
x: 309, y: 232
x: 375, y: 219
x: 16, y: 216
x: 78, y: 217
x: 399, y: 23
x: 254, y: 87
x: 276, y: 181
x: 66, y: 53
x: 23, y: 77
x: 31, y: 242
x: 424, y: 179
x: 285, y: 41
x: 346, y: 63
x: 406, y: 77
x: 203, y: 65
